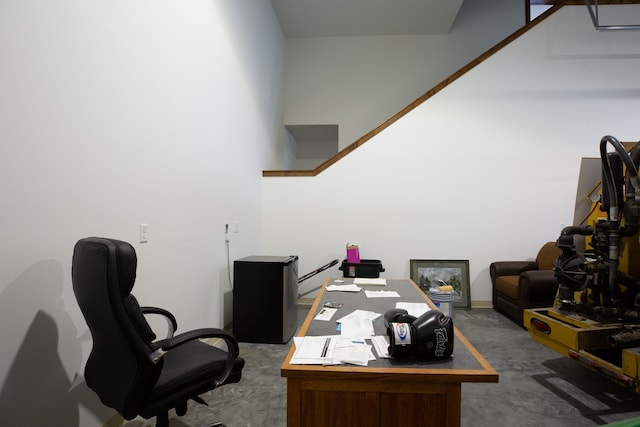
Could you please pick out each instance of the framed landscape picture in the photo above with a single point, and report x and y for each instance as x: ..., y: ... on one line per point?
x: 452, y: 272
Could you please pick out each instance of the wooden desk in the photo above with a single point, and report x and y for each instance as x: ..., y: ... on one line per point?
x: 387, y: 392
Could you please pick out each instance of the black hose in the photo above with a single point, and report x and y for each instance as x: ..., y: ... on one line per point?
x: 583, y: 230
x: 614, y: 236
x: 632, y: 170
x: 609, y: 179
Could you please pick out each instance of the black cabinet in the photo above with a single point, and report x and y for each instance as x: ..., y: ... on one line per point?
x: 265, y: 291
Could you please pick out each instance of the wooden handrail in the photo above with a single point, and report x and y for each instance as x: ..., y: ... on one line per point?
x: 437, y: 88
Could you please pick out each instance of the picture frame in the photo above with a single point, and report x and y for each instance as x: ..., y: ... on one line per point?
x: 453, y: 272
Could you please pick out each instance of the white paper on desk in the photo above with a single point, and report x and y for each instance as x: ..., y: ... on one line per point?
x: 381, y: 345
x: 354, y: 327
x: 369, y: 281
x: 382, y: 294
x: 344, y: 288
x: 416, y: 309
x: 312, y: 350
x: 325, y: 313
x: 355, y: 352
x: 361, y: 314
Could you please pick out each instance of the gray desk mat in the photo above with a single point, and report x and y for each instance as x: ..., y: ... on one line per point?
x: 461, y: 358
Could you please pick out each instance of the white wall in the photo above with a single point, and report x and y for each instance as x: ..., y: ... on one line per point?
x: 359, y: 82
x: 485, y: 170
x: 114, y: 114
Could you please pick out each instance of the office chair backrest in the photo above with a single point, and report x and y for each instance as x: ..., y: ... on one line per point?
x: 118, y: 369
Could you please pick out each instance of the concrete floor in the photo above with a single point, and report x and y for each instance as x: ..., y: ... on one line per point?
x: 537, y: 386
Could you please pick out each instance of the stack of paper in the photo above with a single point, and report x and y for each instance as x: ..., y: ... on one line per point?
x: 381, y: 345
x: 355, y: 352
x: 343, y: 288
x: 313, y: 350
x: 382, y: 294
x: 369, y: 281
x: 331, y: 350
x: 358, y: 324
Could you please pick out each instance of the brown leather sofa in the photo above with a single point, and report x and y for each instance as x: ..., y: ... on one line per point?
x: 518, y: 285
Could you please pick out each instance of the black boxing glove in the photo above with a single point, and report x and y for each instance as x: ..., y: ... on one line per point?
x: 398, y: 322
x: 433, y: 335
x: 401, y: 339
x: 430, y: 336
x: 397, y: 315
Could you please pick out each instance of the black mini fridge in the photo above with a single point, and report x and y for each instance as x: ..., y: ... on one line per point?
x: 265, y: 291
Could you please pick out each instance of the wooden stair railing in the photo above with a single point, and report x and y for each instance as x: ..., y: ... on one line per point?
x: 437, y: 88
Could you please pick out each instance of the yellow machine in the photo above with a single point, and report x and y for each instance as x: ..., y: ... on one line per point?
x: 596, y: 317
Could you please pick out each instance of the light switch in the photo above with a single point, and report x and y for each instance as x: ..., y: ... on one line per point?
x: 144, y: 233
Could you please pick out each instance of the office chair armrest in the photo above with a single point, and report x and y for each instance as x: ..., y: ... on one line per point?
x: 170, y: 343
x: 230, y: 340
x: 172, y: 323
x: 232, y: 346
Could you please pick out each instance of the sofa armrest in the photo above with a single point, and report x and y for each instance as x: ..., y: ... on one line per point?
x: 510, y: 268
x: 537, y: 288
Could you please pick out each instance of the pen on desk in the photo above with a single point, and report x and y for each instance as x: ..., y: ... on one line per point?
x: 326, y: 346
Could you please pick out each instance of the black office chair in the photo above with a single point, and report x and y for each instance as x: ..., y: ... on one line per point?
x: 128, y: 368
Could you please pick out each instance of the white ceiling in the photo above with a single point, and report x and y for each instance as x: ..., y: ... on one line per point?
x: 326, y: 18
